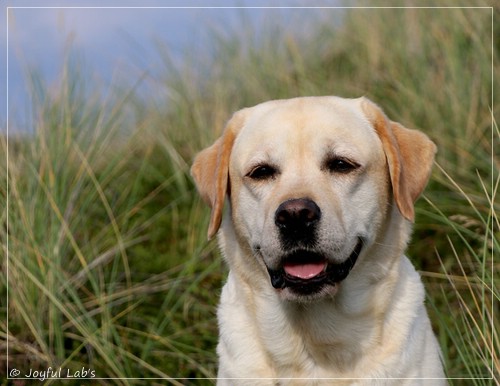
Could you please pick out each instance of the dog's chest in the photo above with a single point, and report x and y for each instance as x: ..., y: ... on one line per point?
x: 310, y: 342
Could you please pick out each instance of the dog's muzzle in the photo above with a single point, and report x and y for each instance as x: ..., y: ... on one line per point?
x: 306, y: 272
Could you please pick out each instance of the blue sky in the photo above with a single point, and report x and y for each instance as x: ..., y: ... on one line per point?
x: 115, y: 35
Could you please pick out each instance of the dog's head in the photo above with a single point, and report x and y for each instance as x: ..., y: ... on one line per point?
x: 310, y: 181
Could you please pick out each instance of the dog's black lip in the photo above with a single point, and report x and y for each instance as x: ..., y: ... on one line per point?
x: 334, y: 273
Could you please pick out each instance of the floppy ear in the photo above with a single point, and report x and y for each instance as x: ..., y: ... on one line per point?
x: 210, y: 172
x: 410, y: 155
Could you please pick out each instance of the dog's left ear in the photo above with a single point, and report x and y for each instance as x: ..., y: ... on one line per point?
x: 410, y: 156
x: 210, y: 171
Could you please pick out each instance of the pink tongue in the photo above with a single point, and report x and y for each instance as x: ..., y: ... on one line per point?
x: 304, y: 271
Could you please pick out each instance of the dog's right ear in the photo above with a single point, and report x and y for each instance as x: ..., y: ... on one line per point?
x: 210, y: 171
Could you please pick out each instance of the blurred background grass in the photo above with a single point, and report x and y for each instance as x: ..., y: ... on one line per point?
x: 108, y: 264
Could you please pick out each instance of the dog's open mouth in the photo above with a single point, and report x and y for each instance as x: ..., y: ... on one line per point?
x: 306, y: 272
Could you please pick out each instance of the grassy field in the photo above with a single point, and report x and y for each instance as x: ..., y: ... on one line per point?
x: 108, y: 265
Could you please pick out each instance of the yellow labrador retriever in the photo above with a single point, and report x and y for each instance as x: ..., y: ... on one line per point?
x: 320, y: 194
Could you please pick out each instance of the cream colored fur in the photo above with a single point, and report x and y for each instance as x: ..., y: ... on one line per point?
x: 371, y: 328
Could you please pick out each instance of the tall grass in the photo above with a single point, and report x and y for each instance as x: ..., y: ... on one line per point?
x: 84, y: 201
x: 108, y: 265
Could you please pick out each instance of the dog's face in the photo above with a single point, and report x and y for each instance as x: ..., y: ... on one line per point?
x: 310, y: 185
x: 308, y: 188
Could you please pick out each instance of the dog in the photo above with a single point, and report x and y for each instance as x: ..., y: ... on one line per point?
x: 319, y: 195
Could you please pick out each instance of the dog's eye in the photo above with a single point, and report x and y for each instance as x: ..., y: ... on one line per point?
x: 340, y: 165
x: 262, y: 172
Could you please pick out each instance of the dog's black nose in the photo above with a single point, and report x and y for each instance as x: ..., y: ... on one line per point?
x: 297, y: 216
